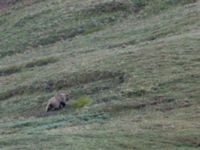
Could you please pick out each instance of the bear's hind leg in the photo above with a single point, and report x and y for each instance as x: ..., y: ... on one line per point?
x: 49, y: 108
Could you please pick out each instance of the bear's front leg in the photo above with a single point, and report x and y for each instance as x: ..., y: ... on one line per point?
x: 62, y: 104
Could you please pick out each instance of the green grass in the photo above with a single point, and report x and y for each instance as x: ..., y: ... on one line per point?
x: 131, y: 68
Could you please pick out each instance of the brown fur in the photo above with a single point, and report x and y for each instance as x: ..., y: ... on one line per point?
x: 57, y: 102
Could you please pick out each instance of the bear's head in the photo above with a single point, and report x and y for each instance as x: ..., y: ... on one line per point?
x: 65, y: 96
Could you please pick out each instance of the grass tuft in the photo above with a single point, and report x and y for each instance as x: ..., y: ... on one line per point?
x: 81, y: 102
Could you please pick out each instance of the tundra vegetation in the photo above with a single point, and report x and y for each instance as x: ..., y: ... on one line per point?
x: 132, y: 67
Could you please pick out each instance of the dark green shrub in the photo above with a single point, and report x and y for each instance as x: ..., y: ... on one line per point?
x: 41, y: 62
x: 17, y: 68
x: 9, y: 70
x: 139, y: 3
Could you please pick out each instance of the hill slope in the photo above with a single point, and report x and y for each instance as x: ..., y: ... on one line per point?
x: 138, y: 61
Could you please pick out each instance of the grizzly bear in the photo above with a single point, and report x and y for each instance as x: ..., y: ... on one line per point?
x: 57, y: 102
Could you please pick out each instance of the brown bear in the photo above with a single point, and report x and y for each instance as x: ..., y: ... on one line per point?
x: 57, y: 102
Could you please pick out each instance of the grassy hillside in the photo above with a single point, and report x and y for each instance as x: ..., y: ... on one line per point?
x: 136, y: 61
